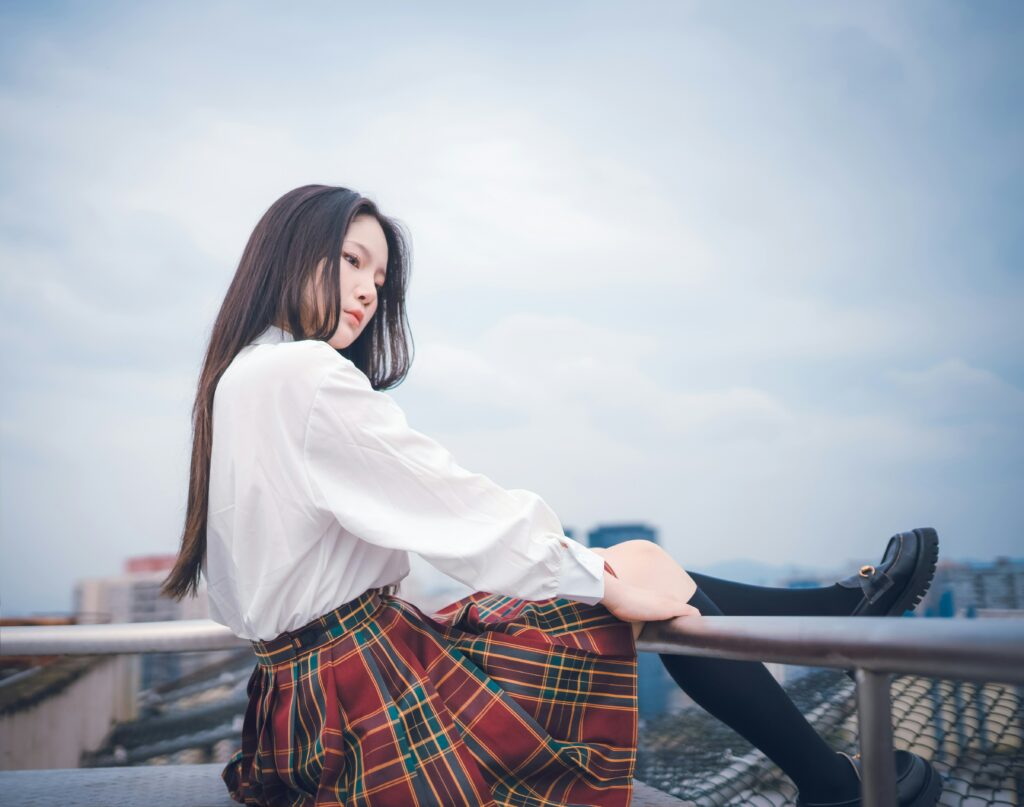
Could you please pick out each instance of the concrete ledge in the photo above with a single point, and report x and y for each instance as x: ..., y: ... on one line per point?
x: 166, y: 786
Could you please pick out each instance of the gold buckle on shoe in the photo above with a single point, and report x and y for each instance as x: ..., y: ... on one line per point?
x: 867, y: 571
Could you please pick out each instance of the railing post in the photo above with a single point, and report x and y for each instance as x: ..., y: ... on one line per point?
x: 874, y: 713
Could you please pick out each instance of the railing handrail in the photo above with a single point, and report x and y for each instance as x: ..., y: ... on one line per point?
x: 959, y: 648
x: 175, y: 636
x: 875, y: 647
x: 970, y: 649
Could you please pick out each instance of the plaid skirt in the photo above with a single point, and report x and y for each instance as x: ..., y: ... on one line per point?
x: 492, y: 700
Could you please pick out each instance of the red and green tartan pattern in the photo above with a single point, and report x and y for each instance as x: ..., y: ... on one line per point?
x: 490, y: 701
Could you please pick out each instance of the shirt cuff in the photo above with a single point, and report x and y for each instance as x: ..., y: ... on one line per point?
x: 581, y: 576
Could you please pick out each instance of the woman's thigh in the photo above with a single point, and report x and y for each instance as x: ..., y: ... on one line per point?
x: 644, y: 563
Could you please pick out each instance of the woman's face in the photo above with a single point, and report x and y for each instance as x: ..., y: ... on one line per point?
x: 364, y: 263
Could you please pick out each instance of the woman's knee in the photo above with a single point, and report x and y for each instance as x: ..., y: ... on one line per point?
x: 649, y: 552
x: 646, y: 548
x: 644, y: 562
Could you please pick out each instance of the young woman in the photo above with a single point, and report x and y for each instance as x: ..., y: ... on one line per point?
x: 308, y: 489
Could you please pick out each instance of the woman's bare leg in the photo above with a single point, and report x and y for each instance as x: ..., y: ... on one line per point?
x: 645, y: 563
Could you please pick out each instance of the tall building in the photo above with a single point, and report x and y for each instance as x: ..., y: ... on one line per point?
x: 609, y: 535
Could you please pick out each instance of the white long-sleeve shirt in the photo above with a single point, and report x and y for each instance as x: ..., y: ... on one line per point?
x: 319, y: 489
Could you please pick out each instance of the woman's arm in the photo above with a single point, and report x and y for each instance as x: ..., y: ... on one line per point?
x: 395, y: 487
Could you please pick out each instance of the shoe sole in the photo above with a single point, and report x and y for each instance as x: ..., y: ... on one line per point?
x: 930, y: 793
x: 924, y: 572
x: 927, y: 796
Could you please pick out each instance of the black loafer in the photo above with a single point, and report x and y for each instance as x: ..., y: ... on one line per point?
x: 918, y: 784
x: 901, y: 578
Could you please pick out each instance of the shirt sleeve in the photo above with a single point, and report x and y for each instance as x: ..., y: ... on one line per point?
x: 395, y: 487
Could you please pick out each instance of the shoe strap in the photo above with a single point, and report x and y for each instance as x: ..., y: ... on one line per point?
x: 876, y: 585
x: 873, y: 583
x: 853, y: 760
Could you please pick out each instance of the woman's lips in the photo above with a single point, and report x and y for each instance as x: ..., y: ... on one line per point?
x: 352, y: 318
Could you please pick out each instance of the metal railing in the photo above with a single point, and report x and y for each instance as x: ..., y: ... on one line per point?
x: 876, y: 648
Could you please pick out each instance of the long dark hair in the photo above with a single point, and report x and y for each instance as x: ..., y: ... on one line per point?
x: 300, y: 229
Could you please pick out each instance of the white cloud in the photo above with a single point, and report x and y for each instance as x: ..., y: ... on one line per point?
x: 954, y: 389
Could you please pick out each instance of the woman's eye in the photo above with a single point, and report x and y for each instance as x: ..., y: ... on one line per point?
x: 346, y: 255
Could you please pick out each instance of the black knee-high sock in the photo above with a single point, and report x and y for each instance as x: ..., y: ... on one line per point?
x: 740, y: 599
x: 745, y: 696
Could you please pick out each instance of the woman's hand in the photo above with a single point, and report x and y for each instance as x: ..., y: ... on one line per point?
x: 635, y: 604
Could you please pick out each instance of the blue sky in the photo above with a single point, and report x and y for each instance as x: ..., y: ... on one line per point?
x: 750, y: 273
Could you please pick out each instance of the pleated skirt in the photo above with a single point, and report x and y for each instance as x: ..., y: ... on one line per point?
x: 492, y: 700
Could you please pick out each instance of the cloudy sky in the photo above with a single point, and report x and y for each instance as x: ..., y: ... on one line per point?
x: 749, y: 273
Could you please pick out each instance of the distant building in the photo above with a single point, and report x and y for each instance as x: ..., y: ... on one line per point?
x: 610, y: 535
x: 134, y: 596
x: 962, y: 589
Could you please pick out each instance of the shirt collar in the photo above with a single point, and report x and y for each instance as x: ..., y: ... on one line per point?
x: 273, y: 334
